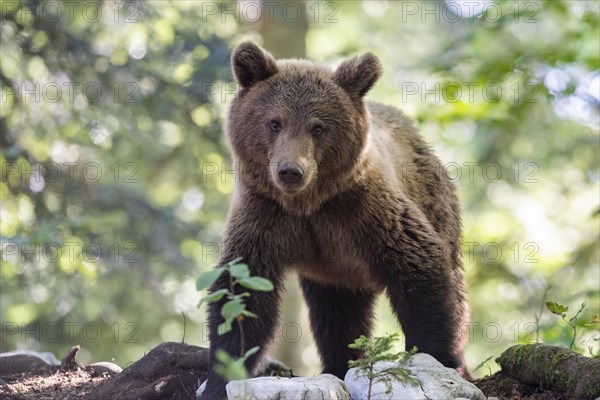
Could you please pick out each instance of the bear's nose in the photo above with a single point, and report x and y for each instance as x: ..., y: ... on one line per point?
x: 290, y: 173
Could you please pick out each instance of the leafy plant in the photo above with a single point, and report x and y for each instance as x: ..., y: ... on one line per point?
x: 559, y: 309
x: 234, y: 309
x: 232, y: 368
x: 484, y: 363
x: 379, y: 349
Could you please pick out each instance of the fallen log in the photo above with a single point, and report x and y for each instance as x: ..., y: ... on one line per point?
x: 170, y: 371
x: 543, y: 365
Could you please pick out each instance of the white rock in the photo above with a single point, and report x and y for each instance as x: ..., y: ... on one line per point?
x: 270, y: 388
x: 436, y: 382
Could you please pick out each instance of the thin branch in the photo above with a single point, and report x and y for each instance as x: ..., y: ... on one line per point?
x: 184, y: 327
x: 538, y: 317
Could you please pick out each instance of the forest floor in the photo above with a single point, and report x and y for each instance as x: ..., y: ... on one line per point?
x: 77, y: 384
x: 49, y: 384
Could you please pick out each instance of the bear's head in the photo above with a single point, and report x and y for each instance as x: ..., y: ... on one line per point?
x: 299, y: 131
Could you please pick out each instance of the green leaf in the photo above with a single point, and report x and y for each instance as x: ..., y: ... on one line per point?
x: 360, y: 343
x: 224, y: 327
x: 249, y: 314
x: 208, y: 278
x: 251, y: 352
x: 239, y: 271
x: 257, y: 283
x: 229, y: 367
x: 222, y: 356
x: 556, y: 308
x: 214, y: 296
x: 482, y: 364
x: 232, y: 309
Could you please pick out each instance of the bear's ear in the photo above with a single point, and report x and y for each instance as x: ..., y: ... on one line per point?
x: 358, y: 74
x: 252, y: 64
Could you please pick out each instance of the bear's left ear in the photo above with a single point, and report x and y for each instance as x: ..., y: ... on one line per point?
x: 251, y: 64
x: 358, y: 75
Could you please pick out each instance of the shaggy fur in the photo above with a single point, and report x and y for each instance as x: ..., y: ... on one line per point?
x: 373, y: 212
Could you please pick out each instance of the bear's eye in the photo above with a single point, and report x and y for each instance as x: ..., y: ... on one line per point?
x: 275, y: 126
x: 317, y: 131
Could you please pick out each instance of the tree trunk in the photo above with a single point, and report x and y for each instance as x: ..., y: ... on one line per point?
x: 283, y: 27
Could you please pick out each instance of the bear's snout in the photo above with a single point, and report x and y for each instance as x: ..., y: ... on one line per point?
x: 290, y: 174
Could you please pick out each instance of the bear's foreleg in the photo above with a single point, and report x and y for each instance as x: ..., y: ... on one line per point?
x: 337, y: 317
x: 425, y: 292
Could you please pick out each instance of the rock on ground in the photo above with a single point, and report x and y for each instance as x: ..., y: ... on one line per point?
x: 102, y: 368
x: 274, y: 388
x: 436, y: 382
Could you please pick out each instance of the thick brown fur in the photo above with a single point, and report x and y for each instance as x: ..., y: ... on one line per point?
x: 372, y: 212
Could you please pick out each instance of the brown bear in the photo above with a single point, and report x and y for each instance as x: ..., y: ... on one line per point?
x: 346, y: 193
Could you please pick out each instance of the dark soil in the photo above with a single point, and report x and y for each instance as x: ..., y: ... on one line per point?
x: 49, y: 384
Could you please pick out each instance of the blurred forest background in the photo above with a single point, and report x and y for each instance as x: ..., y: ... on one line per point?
x: 116, y: 177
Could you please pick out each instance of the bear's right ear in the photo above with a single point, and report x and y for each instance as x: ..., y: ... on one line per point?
x: 252, y: 64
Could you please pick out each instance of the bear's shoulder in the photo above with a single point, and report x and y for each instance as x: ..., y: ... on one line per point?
x: 389, y: 121
x: 382, y: 114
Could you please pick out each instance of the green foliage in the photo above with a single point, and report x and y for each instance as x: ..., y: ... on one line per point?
x: 559, y: 309
x: 234, y: 309
x: 124, y: 238
x: 231, y: 368
x: 208, y: 278
x: 484, y: 363
x: 380, y: 349
x: 256, y: 283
